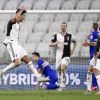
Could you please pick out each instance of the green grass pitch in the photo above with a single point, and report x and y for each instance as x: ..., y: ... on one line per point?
x: 46, y: 95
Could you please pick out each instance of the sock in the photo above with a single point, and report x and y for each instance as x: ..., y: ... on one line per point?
x: 98, y: 81
x: 89, y: 80
x: 8, y: 68
x: 58, y: 74
x: 33, y: 69
x: 62, y: 79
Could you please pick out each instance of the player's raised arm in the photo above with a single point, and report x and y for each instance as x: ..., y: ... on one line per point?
x: 18, y: 16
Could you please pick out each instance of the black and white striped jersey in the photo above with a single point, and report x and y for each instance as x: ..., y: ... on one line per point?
x: 64, y: 44
x: 12, y: 32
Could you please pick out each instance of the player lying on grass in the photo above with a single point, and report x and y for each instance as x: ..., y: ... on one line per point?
x: 45, y: 69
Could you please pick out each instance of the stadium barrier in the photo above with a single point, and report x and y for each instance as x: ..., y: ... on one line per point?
x: 21, y: 78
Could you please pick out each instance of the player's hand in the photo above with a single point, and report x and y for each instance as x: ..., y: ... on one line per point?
x: 22, y: 7
x: 97, y: 54
x: 85, y: 44
x: 72, y: 51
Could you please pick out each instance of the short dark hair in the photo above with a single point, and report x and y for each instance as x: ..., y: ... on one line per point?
x: 64, y: 23
x: 23, y: 12
x: 95, y: 26
x: 36, y: 54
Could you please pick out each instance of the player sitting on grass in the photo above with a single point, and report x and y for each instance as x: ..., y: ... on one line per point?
x: 45, y: 69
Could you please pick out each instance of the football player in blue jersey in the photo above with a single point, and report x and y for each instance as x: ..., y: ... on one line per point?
x: 92, y: 40
x: 45, y: 69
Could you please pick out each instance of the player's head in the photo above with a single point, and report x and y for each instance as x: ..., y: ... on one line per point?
x: 95, y: 26
x: 35, y: 56
x: 63, y: 27
x: 22, y: 14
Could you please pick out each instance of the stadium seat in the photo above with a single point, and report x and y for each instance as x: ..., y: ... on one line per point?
x: 92, y: 17
x: 2, y: 3
x: 55, y: 27
x: 26, y: 4
x: 5, y: 17
x: 34, y: 38
x: 2, y: 26
x: 23, y: 36
x: 12, y: 4
x: 47, y: 37
x: 30, y: 47
x: 33, y: 17
x: 77, y: 17
x: 42, y: 27
x: 82, y: 34
x: 68, y: 5
x: 54, y: 4
x: 44, y: 49
x: 39, y: 5
x: 95, y: 4
x: 76, y: 51
x: 83, y: 4
x: 27, y: 26
x: 72, y: 26
x: 62, y: 17
x: 2, y: 49
x: 83, y: 26
x: 47, y: 17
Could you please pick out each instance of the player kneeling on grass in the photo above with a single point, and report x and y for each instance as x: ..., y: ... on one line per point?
x: 45, y: 69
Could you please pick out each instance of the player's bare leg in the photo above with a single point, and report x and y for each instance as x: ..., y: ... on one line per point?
x: 14, y: 64
x: 89, y: 79
x: 59, y: 73
x: 62, y: 77
x: 89, y: 75
x: 28, y: 61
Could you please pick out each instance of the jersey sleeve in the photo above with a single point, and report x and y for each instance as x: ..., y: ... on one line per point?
x: 98, y: 45
x: 54, y: 38
x: 9, y: 27
x: 73, y: 39
x: 39, y: 64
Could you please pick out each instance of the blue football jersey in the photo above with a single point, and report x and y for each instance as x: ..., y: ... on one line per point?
x: 93, y: 38
x: 44, y: 67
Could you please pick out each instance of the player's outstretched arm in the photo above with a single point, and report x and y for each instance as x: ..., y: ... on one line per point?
x: 18, y: 15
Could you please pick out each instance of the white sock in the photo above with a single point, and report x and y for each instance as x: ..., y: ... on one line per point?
x: 58, y: 74
x: 8, y: 68
x: 89, y: 80
x: 98, y: 81
x: 33, y: 69
x: 62, y: 80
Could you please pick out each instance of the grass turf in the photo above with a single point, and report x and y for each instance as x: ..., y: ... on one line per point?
x: 46, y: 95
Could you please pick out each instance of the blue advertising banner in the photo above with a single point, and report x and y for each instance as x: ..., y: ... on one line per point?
x: 22, y: 78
